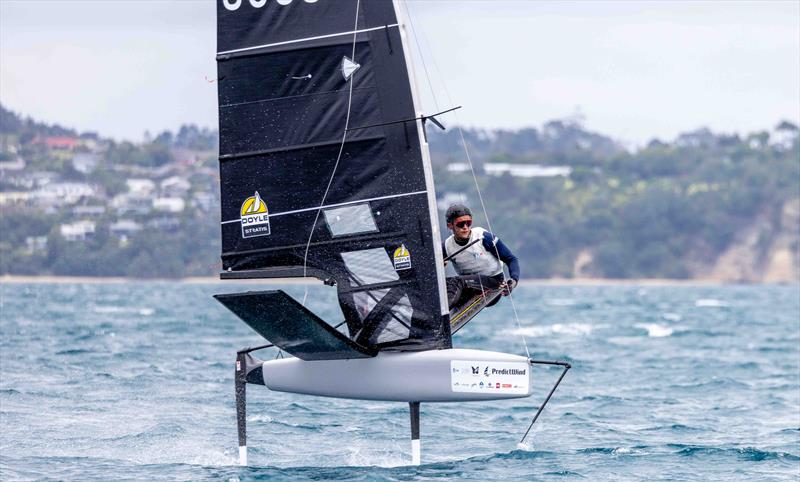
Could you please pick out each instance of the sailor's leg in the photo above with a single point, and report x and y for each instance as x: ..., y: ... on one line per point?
x: 455, y: 287
x: 479, y: 282
x: 415, y: 445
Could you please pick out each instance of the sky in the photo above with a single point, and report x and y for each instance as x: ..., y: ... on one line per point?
x: 633, y: 70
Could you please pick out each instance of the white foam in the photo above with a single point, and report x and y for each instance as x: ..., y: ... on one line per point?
x: 571, y: 329
x: 671, y: 316
x: 654, y: 330
x: 123, y: 309
x: 259, y: 418
x: 709, y: 303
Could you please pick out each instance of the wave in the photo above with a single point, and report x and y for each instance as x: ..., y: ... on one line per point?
x: 570, y: 329
x: 746, y: 453
x: 710, y: 303
x: 123, y: 310
x: 654, y: 330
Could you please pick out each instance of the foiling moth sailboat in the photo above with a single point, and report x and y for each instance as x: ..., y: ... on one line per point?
x: 325, y: 173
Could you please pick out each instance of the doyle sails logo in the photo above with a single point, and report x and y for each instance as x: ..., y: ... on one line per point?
x: 235, y: 4
x: 254, y: 217
x: 402, y: 258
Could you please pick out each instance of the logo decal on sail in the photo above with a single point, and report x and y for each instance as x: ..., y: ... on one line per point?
x: 402, y: 258
x: 349, y: 67
x: 235, y: 4
x: 255, y: 217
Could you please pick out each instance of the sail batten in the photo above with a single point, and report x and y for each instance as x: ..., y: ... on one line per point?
x: 225, y: 55
x: 300, y: 194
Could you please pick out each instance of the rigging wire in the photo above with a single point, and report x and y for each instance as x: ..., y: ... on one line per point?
x: 469, y: 162
x: 338, y: 156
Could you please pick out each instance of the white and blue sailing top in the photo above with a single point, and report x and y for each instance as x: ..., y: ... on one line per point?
x: 485, y: 258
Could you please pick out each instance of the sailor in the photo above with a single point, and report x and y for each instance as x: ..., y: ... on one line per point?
x: 480, y: 266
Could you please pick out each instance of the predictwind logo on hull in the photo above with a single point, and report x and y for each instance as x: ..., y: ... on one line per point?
x: 255, y: 217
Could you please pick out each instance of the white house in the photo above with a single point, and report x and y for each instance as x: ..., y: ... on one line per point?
x: 169, y: 204
x: 78, y: 231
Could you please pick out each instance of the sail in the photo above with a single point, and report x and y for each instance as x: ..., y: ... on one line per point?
x: 292, y: 77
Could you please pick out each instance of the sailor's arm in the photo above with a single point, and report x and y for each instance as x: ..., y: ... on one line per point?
x: 494, y: 245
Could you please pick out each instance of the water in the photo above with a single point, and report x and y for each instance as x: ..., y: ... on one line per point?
x: 134, y: 381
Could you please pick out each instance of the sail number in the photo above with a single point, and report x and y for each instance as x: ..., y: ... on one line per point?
x: 235, y: 4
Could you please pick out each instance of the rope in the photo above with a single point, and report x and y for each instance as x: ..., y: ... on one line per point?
x: 471, y: 169
x: 338, y: 156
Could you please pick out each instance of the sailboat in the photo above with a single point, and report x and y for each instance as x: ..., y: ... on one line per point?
x: 325, y: 173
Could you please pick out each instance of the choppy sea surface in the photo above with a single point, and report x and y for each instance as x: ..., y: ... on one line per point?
x: 135, y: 381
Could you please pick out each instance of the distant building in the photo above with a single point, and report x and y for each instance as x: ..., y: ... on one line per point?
x: 175, y: 186
x: 61, y: 143
x: 10, y: 198
x: 85, y: 162
x: 526, y: 170
x: 169, y: 204
x: 451, y: 198
x: 516, y: 170
x: 17, y: 164
x: 164, y: 222
x: 35, y: 244
x: 63, y: 193
x: 124, y: 229
x: 89, y: 211
x: 140, y: 187
x: 78, y: 231
x: 125, y: 204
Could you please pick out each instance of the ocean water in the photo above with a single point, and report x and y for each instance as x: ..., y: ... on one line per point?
x: 135, y: 381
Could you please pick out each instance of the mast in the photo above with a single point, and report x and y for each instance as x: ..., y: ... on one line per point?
x: 426, y: 159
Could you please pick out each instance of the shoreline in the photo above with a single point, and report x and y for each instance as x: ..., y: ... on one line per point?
x: 18, y: 279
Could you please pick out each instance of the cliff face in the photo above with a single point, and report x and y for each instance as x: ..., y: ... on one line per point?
x: 766, y: 251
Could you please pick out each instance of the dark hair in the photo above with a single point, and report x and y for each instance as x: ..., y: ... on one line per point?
x: 456, y: 211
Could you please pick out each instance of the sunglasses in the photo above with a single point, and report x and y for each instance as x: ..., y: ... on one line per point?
x: 464, y: 224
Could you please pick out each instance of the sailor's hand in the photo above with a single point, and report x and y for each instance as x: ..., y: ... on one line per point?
x: 509, y: 286
x: 445, y: 264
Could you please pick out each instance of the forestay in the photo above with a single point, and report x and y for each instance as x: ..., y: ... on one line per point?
x: 284, y: 74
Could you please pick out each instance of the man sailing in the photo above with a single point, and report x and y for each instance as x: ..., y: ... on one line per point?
x: 480, y: 266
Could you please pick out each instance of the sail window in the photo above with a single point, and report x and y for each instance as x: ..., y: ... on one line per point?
x: 398, y: 322
x: 353, y: 219
x: 365, y: 301
x: 369, y: 266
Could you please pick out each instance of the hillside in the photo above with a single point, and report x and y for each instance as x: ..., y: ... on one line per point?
x: 569, y: 202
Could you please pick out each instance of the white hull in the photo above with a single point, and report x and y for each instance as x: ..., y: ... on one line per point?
x: 454, y: 375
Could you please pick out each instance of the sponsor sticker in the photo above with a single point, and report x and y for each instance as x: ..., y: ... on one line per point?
x: 401, y: 258
x: 499, y: 377
x: 254, y: 217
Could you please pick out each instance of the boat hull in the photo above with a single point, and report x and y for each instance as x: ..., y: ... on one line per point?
x: 454, y: 375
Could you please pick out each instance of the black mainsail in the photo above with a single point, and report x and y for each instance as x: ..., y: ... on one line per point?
x: 324, y: 169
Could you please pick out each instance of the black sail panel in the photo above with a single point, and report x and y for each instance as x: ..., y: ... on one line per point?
x: 290, y: 73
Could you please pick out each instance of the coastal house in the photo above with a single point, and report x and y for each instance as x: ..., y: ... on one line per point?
x: 140, y: 187
x: 63, y: 193
x: 515, y: 170
x: 85, y: 162
x: 14, y: 198
x: 450, y: 198
x: 88, y: 211
x: 169, y: 204
x: 175, y: 186
x: 64, y: 143
x: 127, y: 204
x: 78, y: 231
x: 35, y: 244
x: 15, y: 164
x: 124, y: 229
